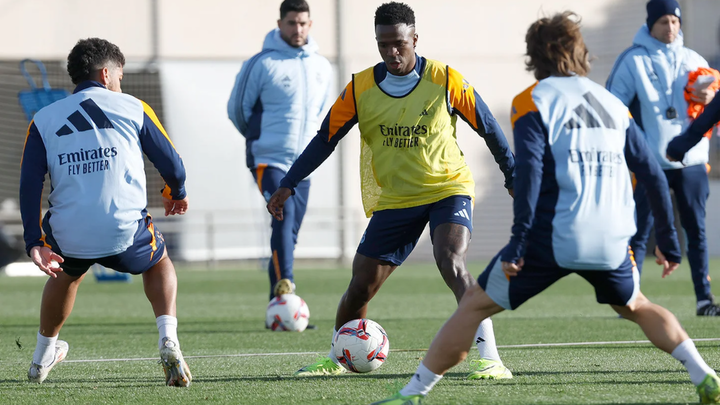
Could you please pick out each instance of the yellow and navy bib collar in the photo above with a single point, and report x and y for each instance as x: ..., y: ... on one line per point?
x: 380, y: 71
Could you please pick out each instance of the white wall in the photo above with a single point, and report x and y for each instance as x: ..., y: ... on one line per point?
x: 222, y: 191
x: 203, y: 43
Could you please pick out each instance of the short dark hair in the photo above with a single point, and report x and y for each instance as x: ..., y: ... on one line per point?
x: 555, y: 47
x: 298, y: 6
x: 394, y: 13
x: 90, y: 55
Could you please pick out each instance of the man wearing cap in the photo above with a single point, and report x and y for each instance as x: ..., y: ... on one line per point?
x: 650, y: 78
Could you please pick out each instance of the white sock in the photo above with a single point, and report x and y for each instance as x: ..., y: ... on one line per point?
x: 422, y: 382
x: 332, y: 348
x: 45, y: 350
x: 485, y: 341
x: 687, y: 354
x: 167, y: 327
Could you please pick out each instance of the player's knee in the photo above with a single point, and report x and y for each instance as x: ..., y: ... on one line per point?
x: 450, y: 263
x: 475, y: 298
x: 361, y: 290
x: 455, y: 274
x: 163, y: 266
x: 637, y: 304
x: 473, y: 291
x: 64, y: 278
x: 357, y: 297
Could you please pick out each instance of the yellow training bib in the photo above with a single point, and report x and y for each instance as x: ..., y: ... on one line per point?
x: 409, y: 152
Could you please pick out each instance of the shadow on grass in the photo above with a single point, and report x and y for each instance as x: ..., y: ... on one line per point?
x: 313, y: 379
x: 598, y: 372
x: 114, y: 382
x: 189, y: 327
x: 124, y: 382
x: 634, y: 346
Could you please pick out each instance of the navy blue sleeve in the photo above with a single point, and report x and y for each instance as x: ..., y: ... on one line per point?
x: 530, y: 142
x: 337, y: 123
x: 649, y: 173
x: 160, y: 150
x: 485, y: 124
x: 464, y: 101
x: 678, y: 147
x: 33, y: 168
x: 495, y: 140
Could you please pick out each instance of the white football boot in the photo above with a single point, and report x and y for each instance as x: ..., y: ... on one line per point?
x: 38, y: 373
x: 177, y: 372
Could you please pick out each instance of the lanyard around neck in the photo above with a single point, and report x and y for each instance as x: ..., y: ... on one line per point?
x: 675, y: 72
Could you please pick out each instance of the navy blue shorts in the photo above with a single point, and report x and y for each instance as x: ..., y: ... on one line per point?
x: 392, y: 234
x: 146, y: 251
x: 614, y: 287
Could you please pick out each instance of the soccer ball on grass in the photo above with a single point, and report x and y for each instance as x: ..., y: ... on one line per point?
x: 287, y: 312
x: 361, y: 345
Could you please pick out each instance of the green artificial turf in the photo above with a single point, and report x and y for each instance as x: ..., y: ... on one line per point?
x: 221, y: 316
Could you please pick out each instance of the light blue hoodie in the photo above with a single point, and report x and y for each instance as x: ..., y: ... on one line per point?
x: 279, y: 99
x: 649, y: 77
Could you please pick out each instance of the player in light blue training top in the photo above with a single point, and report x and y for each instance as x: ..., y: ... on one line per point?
x: 574, y: 144
x: 279, y: 99
x: 91, y: 144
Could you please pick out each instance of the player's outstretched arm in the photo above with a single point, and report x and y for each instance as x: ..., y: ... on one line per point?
x: 277, y: 202
x: 46, y: 260
x: 33, y: 168
x: 468, y: 104
x: 649, y: 173
x: 530, y: 141
x: 678, y: 147
x: 158, y: 147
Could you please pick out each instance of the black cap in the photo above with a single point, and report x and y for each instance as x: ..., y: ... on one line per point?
x: 659, y: 8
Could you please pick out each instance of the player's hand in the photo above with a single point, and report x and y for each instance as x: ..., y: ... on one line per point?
x: 511, y: 192
x: 668, y: 267
x: 277, y: 202
x: 512, y: 269
x: 672, y: 159
x: 175, y: 207
x: 46, y: 260
x: 702, y: 95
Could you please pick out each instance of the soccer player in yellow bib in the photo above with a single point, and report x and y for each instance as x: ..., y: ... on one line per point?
x: 412, y: 171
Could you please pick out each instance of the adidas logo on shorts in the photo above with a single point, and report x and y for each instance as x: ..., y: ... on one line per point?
x: 462, y: 213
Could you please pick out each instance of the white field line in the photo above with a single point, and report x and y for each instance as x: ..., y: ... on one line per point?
x: 620, y: 342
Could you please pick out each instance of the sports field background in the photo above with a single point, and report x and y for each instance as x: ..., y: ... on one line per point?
x: 221, y: 315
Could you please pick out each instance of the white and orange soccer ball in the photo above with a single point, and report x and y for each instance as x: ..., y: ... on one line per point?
x: 361, y: 345
x: 287, y: 312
